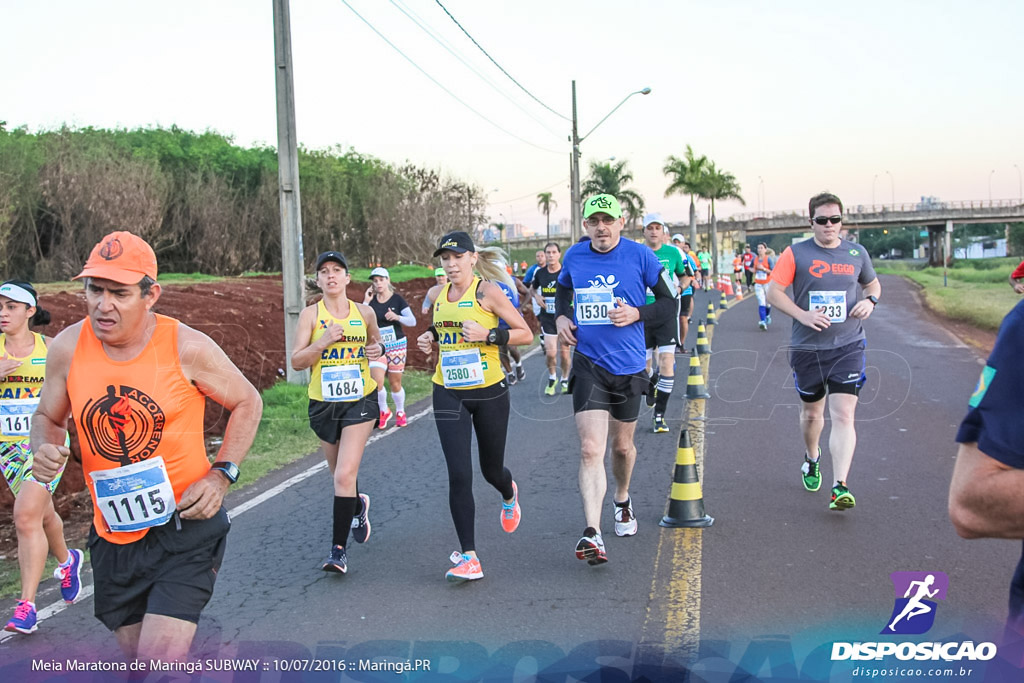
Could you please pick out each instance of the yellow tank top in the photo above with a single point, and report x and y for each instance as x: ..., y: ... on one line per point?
x: 342, y: 373
x: 462, y: 364
x: 19, y: 391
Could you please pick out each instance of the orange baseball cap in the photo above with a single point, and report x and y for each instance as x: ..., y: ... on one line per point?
x: 121, y: 257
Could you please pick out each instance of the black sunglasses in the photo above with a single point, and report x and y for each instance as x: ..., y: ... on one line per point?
x: 822, y: 220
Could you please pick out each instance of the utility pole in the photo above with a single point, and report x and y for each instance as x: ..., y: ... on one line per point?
x: 288, y: 186
x: 574, y: 175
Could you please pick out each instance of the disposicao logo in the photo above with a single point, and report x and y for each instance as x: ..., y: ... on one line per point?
x: 913, y: 613
x: 915, y: 594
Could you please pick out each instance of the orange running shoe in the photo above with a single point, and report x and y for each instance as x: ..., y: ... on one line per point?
x: 466, y: 568
x: 511, y: 512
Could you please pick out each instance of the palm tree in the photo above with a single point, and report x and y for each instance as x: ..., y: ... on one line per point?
x: 718, y: 185
x: 544, y: 202
x: 612, y: 178
x: 687, y: 175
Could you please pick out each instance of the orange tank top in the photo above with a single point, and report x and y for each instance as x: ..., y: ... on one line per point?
x: 129, y: 411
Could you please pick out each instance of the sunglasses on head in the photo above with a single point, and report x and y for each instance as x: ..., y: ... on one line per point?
x: 822, y: 220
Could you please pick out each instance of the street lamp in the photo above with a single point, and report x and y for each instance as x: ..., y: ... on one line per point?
x: 892, y: 188
x: 992, y: 173
x: 574, y: 158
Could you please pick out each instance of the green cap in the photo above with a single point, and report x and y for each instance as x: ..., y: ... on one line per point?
x: 602, y: 203
x: 438, y: 272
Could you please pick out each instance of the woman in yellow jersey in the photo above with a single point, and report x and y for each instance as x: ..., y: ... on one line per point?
x: 470, y: 391
x: 39, y: 527
x: 337, y: 338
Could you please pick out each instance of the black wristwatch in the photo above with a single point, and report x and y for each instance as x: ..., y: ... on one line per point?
x: 873, y: 299
x: 492, y: 336
x: 227, y: 468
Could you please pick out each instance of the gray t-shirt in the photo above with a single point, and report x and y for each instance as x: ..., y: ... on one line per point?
x: 831, y: 279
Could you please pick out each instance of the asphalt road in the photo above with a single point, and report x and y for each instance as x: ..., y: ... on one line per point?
x: 759, y: 594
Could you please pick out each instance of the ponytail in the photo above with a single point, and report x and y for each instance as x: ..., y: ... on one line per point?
x: 491, y: 265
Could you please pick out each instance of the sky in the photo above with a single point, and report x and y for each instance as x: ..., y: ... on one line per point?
x: 875, y: 101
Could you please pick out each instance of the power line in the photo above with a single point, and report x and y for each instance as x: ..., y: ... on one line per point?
x: 440, y: 85
x: 416, y: 19
x: 499, y: 65
x: 532, y: 194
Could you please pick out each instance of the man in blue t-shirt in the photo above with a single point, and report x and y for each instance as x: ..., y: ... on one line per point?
x: 600, y: 308
x: 986, y: 496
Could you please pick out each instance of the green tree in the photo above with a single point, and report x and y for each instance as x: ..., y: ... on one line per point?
x: 687, y: 175
x: 718, y: 185
x: 544, y: 203
x: 612, y: 178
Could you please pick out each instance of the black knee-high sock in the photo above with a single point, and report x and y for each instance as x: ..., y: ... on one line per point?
x: 665, y: 386
x: 344, y: 510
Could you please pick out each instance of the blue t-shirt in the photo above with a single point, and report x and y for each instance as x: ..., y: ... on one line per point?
x: 693, y: 267
x: 994, y: 420
x: 512, y: 295
x: 528, y: 276
x: 599, y: 280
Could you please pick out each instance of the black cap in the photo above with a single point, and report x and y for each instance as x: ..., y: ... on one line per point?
x: 331, y: 256
x: 457, y: 241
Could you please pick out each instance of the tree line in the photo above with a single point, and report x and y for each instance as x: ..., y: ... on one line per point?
x: 696, y: 176
x: 209, y: 205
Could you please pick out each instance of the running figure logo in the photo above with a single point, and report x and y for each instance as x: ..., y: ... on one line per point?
x: 915, y: 594
x: 124, y: 425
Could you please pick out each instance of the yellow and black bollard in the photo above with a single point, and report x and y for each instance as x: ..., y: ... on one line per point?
x: 712, y: 318
x: 695, y: 381
x: 703, y: 343
x: 686, y: 502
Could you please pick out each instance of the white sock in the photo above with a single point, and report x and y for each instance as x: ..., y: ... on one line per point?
x: 382, y: 400
x: 399, y: 397
x: 518, y: 364
x: 553, y: 377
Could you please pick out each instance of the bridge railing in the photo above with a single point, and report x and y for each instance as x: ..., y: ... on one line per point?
x: 861, y: 209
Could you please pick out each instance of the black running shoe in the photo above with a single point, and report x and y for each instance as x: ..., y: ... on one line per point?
x: 337, y: 562
x: 361, y: 522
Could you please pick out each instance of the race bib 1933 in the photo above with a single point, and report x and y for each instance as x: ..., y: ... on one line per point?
x: 460, y: 369
x: 16, y: 416
x: 593, y: 304
x: 135, y: 496
x: 832, y: 304
x: 341, y: 383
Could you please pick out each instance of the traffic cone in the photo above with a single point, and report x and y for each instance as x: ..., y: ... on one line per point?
x: 695, y: 381
x: 686, y: 502
x: 703, y: 345
x: 722, y: 303
x: 712, y: 319
x: 727, y: 285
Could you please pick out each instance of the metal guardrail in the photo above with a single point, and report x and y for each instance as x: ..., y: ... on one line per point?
x: 914, y: 207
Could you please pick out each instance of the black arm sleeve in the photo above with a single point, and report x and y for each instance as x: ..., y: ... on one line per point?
x: 563, y: 301
x: 663, y: 307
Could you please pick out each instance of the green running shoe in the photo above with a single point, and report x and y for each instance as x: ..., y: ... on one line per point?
x: 842, y: 499
x: 549, y: 390
x: 811, y: 470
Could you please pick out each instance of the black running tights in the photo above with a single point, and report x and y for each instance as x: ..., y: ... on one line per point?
x: 458, y: 413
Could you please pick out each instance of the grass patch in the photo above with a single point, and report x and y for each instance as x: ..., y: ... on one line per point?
x: 400, y: 273
x: 977, y: 291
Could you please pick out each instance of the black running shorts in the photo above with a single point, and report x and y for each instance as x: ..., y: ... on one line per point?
x: 170, y: 571
x: 328, y: 418
x: 840, y: 371
x: 547, y: 323
x: 664, y: 334
x: 594, y: 388
x: 685, y: 303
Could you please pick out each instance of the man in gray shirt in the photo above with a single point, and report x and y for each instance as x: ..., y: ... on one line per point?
x: 834, y: 288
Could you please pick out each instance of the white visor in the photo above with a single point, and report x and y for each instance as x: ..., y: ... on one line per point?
x: 16, y: 293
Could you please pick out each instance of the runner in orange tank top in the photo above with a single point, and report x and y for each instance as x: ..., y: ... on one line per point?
x: 135, y: 383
